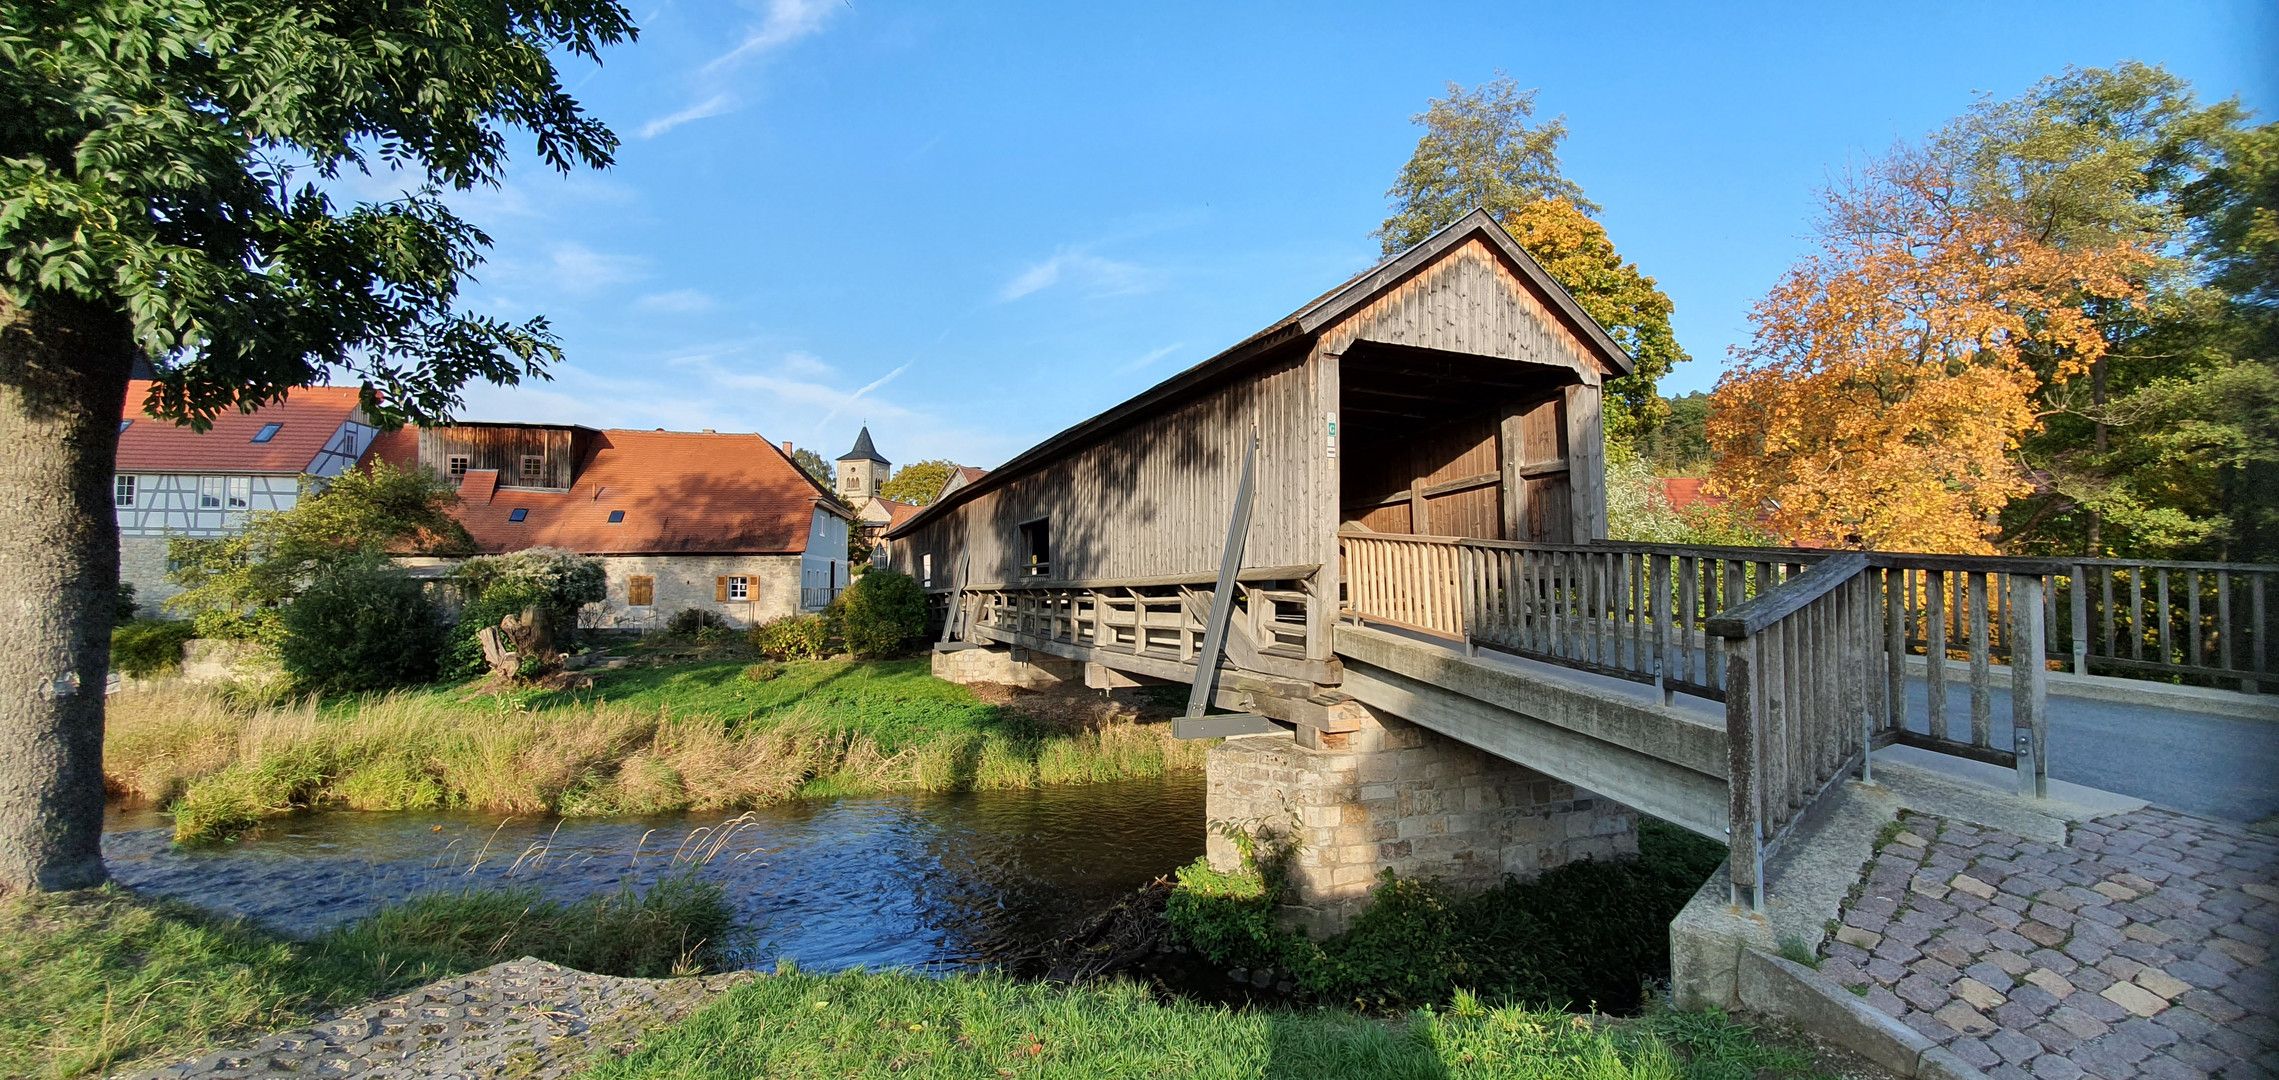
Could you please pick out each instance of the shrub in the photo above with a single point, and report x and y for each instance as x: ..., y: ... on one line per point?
x: 793, y: 637
x: 149, y: 646
x: 763, y: 673
x: 123, y: 605
x: 361, y: 626
x: 691, y: 622
x: 493, y: 587
x: 881, y: 612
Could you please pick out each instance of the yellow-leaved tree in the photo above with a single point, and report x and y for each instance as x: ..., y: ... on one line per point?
x: 1887, y: 387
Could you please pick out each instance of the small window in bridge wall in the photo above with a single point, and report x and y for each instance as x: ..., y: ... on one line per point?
x: 926, y: 570
x: 1036, y: 548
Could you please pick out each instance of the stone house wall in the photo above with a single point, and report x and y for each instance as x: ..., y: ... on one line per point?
x: 142, y: 564
x: 692, y: 581
x: 1403, y: 798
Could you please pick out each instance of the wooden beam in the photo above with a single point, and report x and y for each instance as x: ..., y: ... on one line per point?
x: 1449, y: 487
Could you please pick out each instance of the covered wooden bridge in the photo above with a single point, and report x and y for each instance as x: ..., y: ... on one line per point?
x: 1378, y: 528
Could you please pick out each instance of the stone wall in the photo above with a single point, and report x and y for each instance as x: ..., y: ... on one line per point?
x: 1007, y: 666
x: 1400, y: 797
x: 690, y: 581
x: 142, y: 564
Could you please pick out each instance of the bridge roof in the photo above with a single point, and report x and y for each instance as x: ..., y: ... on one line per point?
x: 1304, y: 324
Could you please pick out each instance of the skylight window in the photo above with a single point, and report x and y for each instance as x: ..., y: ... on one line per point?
x: 123, y: 426
x: 519, y: 513
x: 267, y: 432
x: 617, y: 517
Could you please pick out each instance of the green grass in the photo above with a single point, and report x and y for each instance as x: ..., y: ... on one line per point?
x: 101, y: 979
x: 986, y: 1026
x: 693, y: 736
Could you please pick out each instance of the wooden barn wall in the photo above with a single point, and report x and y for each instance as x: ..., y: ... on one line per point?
x: 502, y: 447
x: 1152, y: 499
x: 1468, y: 302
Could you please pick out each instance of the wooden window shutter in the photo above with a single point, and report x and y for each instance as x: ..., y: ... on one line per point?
x: 720, y: 588
x: 641, y: 590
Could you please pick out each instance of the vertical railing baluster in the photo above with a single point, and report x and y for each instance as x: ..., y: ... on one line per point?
x: 1894, y: 650
x: 2224, y: 630
x: 1745, y: 861
x: 1981, y: 693
x: 1935, y: 650
x: 2167, y: 621
x: 2077, y: 635
x: 2259, y: 644
x: 1660, y: 589
x: 2193, y: 632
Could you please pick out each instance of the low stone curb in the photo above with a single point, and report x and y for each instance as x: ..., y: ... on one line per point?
x: 1798, y: 995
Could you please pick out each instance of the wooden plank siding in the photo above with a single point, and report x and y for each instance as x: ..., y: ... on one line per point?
x: 503, y: 446
x: 1468, y: 302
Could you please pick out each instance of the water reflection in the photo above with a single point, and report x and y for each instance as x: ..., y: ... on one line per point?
x: 928, y: 881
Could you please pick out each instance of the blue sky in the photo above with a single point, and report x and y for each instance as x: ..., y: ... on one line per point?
x: 973, y: 225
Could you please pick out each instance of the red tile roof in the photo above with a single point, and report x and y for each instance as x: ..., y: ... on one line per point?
x: 308, y: 418
x: 899, y: 512
x: 970, y: 473
x: 681, y: 493
x: 1685, y: 491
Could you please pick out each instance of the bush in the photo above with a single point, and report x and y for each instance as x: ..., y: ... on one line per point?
x: 361, y: 626
x: 1584, y: 934
x: 693, y: 622
x: 123, y: 605
x: 793, y: 637
x: 149, y: 646
x: 493, y: 587
x: 881, y: 612
x: 763, y: 673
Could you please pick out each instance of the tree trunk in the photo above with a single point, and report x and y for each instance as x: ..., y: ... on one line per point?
x: 63, y: 376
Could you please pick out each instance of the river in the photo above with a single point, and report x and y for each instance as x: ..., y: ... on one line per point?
x: 927, y: 881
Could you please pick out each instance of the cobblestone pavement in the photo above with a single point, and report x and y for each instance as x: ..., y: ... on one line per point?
x: 523, y: 1018
x: 2143, y: 949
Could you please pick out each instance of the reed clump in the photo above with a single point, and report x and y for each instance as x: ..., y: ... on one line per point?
x: 223, y: 768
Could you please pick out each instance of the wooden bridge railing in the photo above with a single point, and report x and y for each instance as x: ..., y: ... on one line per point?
x: 1152, y: 618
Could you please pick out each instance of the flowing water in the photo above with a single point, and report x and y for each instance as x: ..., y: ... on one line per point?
x: 933, y: 881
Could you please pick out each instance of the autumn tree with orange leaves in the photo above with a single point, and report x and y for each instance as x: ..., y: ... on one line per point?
x: 1890, y: 380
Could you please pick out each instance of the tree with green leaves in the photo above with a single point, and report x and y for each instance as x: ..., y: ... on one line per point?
x: 919, y: 482
x: 815, y: 465
x: 1482, y: 149
x: 2152, y: 451
x: 234, y: 586
x: 162, y: 196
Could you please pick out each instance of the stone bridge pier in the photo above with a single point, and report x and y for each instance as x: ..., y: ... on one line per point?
x: 1396, y: 796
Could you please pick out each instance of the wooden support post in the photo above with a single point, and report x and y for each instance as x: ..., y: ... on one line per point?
x: 1895, y: 649
x: 1745, y: 832
x: 2029, y: 688
x: 1222, y: 599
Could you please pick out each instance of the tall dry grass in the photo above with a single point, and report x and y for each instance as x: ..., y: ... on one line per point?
x: 222, y: 769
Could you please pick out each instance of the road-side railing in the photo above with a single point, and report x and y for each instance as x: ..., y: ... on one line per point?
x: 1412, y: 582
x: 2209, y: 622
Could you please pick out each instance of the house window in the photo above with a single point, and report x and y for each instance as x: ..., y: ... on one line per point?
x: 209, y: 493
x: 1036, y: 548
x: 617, y: 517
x: 123, y: 491
x: 518, y: 513
x: 456, y: 465
x: 640, y: 590
x: 533, y: 468
x: 739, y: 588
x: 240, y: 492
x: 267, y: 432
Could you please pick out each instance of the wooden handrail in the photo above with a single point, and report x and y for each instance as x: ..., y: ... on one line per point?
x: 1248, y: 573
x: 1770, y: 607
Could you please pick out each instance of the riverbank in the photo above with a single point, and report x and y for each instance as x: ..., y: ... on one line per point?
x: 701, y: 736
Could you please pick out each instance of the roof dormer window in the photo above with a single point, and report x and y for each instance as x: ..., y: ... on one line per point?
x: 519, y: 513
x: 267, y: 432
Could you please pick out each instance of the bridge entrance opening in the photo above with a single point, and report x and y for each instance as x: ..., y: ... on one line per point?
x: 1446, y: 444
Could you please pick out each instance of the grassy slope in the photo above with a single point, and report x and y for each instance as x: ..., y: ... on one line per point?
x: 984, y: 1027
x: 101, y: 977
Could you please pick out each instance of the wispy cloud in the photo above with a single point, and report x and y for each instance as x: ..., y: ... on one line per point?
x: 1101, y: 277
x: 1150, y: 358
x: 711, y: 106
x: 677, y: 301
x: 787, y: 21
x: 576, y: 268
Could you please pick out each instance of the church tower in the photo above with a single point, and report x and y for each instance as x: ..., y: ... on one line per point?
x: 862, y: 471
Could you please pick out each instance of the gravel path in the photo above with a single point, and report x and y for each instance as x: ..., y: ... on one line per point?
x: 523, y: 1018
x: 2142, y: 949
